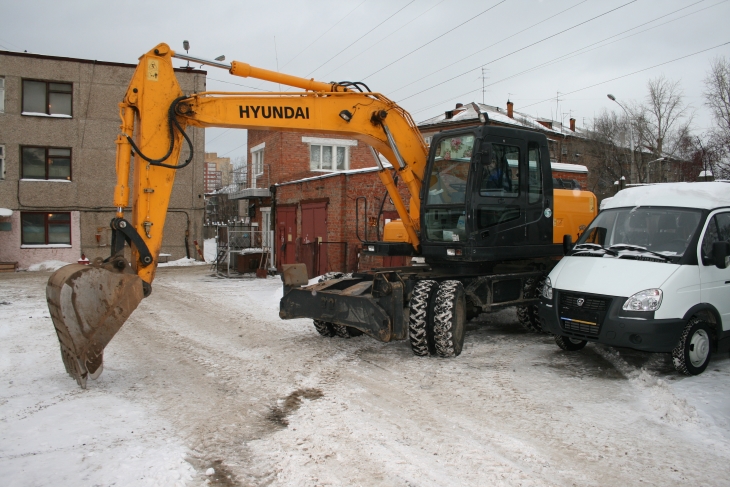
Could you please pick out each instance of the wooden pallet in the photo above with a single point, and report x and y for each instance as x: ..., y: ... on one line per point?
x: 8, y: 266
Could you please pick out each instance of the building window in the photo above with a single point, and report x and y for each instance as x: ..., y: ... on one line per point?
x: 328, y: 158
x: 2, y: 162
x: 257, y: 162
x: 45, y: 228
x: 46, y: 163
x: 47, y: 98
x: 2, y: 94
x: 329, y: 154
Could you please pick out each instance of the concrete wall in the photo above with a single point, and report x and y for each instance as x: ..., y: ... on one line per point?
x: 98, y: 87
x: 11, y: 249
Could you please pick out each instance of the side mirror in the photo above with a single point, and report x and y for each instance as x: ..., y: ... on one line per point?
x: 567, y: 244
x: 720, y: 251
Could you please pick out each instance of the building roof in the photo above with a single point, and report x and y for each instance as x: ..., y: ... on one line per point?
x: 467, y: 113
x: 684, y: 195
x: 88, y: 61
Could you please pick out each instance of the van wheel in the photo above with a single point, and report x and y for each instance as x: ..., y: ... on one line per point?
x: 528, y: 314
x: 420, y: 320
x: 324, y: 328
x: 449, y: 319
x: 692, y: 353
x: 570, y: 344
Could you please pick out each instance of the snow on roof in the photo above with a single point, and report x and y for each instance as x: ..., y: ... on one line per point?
x: 499, y: 115
x: 4, y: 212
x: 331, y: 174
x: 565, y: 167
x: 685, y: 195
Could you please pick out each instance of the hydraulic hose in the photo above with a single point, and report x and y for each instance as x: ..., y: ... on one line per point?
x: 172, y: 122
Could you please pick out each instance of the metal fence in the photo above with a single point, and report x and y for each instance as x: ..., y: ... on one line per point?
x: 235, y: 241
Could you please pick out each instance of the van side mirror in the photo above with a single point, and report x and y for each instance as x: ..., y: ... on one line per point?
x: 567, y: 244
x: 720, y: 251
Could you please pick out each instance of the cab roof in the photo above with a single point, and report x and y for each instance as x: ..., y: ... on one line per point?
x: 706, y: 195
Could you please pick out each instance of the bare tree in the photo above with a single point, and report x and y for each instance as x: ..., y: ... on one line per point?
x: 609, y: 156
x: 717, y: 98
x: 666, y: 117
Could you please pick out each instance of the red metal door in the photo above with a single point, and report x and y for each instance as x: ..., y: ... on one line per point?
x: 286, y: 236
x: 314, y: 230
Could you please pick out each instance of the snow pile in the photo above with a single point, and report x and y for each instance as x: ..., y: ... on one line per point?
x: 182, y: 262
x: 54, y: 433
x: 210, y: 249
x: 670, y: 408
x: 47, y: 265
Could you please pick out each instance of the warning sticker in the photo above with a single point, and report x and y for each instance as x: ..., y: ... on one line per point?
x: 153, y: 69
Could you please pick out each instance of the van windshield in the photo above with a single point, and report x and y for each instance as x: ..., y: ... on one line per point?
x: 627, y: 232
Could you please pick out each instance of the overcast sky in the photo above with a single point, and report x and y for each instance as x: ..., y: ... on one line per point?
x: 426, y: 55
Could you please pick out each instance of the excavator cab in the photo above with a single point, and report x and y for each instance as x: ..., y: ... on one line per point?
x: 488, y: 197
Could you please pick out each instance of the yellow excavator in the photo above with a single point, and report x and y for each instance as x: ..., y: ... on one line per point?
x: 489, y: 202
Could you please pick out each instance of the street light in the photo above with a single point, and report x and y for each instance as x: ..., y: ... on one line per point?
x: 648, y: 168
x: 631, y: 132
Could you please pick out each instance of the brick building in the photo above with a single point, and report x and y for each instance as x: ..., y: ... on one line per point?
x: 217, y: 172
x: 317, y: 180
x: 59, y: 118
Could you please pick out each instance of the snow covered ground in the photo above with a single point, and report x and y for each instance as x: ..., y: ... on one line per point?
x: 204, y: 376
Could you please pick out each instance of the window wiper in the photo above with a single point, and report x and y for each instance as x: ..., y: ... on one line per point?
x: 589, y: 247
x: 638, y: 248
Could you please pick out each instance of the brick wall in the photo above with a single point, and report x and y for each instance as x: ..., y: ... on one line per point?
x: 582, y: 178
x: 286, y: 157
x: 341, y: 192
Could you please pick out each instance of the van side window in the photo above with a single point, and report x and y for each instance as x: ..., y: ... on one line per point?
x: 718, y: 230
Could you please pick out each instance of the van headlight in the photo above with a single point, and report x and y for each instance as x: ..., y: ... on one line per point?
x: 547, y: 289
x: 646, y: 300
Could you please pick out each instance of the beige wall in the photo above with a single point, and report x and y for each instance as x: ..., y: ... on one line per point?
x: 98, y: 87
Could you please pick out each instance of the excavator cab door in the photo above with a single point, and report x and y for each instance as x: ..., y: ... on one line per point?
x: 510, y: 203
x: 499, y: 199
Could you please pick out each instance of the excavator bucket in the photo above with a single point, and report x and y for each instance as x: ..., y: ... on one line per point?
x: 88, y: 305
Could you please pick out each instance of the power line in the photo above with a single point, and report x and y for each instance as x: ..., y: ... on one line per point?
x: 245, y: 143
x: 436, y: 38
x: 635, y: 72
x: 368, y: 32
x: 382, y: 39
x: 593, y: 85
x: 237, y: 84
x: 218, y: 136
x: 324, y: 33
x: 568, y: 56
x: 488, y: 47
x: 584, y: 50
x: 521, y: 49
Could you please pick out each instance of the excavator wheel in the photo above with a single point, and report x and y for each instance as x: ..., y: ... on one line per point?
x: 528, y: 314
x: 88, y: 305
x: 420, y: 321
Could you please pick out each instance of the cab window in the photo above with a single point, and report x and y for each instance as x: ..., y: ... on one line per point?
x: 450, y: 171
x: 501, y: 177
x: 534, y: 175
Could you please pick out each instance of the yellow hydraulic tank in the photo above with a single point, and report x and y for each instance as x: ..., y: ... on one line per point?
x: 573, y: 211
x: 395, y: 231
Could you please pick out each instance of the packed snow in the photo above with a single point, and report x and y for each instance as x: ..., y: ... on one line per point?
x: 205, y: 385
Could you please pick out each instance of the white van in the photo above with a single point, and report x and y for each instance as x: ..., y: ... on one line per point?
x: 650, y: 273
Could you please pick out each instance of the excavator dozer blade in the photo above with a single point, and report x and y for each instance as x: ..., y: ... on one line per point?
x: 88, y: 305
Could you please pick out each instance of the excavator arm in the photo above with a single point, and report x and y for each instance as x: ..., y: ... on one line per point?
x: 90, y: 304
